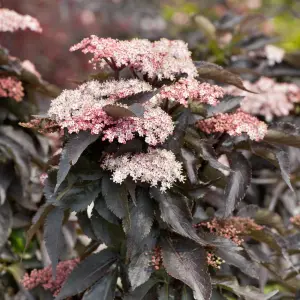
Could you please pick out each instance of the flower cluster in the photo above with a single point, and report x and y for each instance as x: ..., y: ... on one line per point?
x: 44, y: 277
x: 213, y: 260
x: 160, y: 59
x: 235, y: 124
x: 82, y: 109
x: 157, y: 166
x: 191, y: 89
x: 11, y: 87
x: 232, y: 228
x: 12, y: 21
x: 156, y: 259
x: 273, y: 99
x: 274, y: 54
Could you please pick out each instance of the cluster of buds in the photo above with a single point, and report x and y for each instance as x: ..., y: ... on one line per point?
x: 232, y: 228
x: 156, y: 258
x: 44, y: 277
x: 42, y: 125
x: 213, y: 260
x: 11, y: 87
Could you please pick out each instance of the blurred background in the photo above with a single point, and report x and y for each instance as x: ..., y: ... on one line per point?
x: 65, y: 22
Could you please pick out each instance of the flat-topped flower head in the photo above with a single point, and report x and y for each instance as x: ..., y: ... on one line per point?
x: 235, y: 124
x: 163, y: 59
x: 11, y: 87
x: 158, y: 167
x: 12, y: 21
x: 273, y: 99
x: 191, y: 89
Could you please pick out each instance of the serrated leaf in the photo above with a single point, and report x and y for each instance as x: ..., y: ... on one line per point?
x: 107, y: 232
x: 115, y: 111
x: 53, y: 236
x: 238, y: 182
x: 115, y: 196
x: 249, y: 292
x: 176, y: 140
x: 186, y: 261
x: 87, y: 273
x: 103, y: 211
x: 5, y: 223
x: 212, y: 71
x: 189, y: 162
x: 208, y: 153
x: 140, y: 292
x: 141, y: 218
x: 233, y: 256
x: 38, y: 221
x: 75, y: 146
x: 283, y: 134
x: 227, y: 104
x: 85, y: 224
x: 6, y: 177
x: 104, y: 288
x: 175, y: 212
x: 140, y: 98
x: 281, y: 156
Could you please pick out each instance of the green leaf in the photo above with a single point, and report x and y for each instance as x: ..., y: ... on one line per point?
x: 87, y: 273
x: 238, y: 181
x: 212, y: 71
x: 249, y: 292
x: 140, y: 292
x: 186, y: 261
x: 53, y: 236
x: 115, y: 196
x: 104, y: 288
x: 75, y: 146
x: 5, y: 223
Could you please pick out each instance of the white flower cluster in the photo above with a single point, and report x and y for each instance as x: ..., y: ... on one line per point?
x: 157, y: 167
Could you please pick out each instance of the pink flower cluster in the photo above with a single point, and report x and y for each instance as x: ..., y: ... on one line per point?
x: 159, y: 59
x: 234, y: 124
x: 232, y: 228
x: 213, y: 260
x: 11, y: 87
x: 158, y: 166
x: 191, y: 89
x: 44, y: 277
x: 82, y: 109
x: 12, y: 21
x: 273, y: 99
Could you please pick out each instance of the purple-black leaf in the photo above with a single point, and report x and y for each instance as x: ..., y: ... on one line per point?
x: 228, y: 104
x: 238, y: 182
x: 189, y: 162
x: 140, y: 292
x: 186, y: 261
x: 87, y: 273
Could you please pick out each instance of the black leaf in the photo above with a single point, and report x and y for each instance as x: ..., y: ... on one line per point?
x: 175, y: 212
x: 105, y: 288
x: 228, y: 104
x: 140, y: 292
x: 140, y: 98
x: 71, y: 153
x: 238, y: 181
x: 104, y: 212
x: 5, y: 223
x: 115, y: 196
x: 53, y: 236
x: 186, y: 261
x: 85, y: 224
x: 6, y: 177
x: 212, y: 71
x: 87, y: 273
x: 190, y: 162
x: 115, y: 111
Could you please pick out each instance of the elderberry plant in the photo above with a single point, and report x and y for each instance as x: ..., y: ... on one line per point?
x: 154, y: 164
